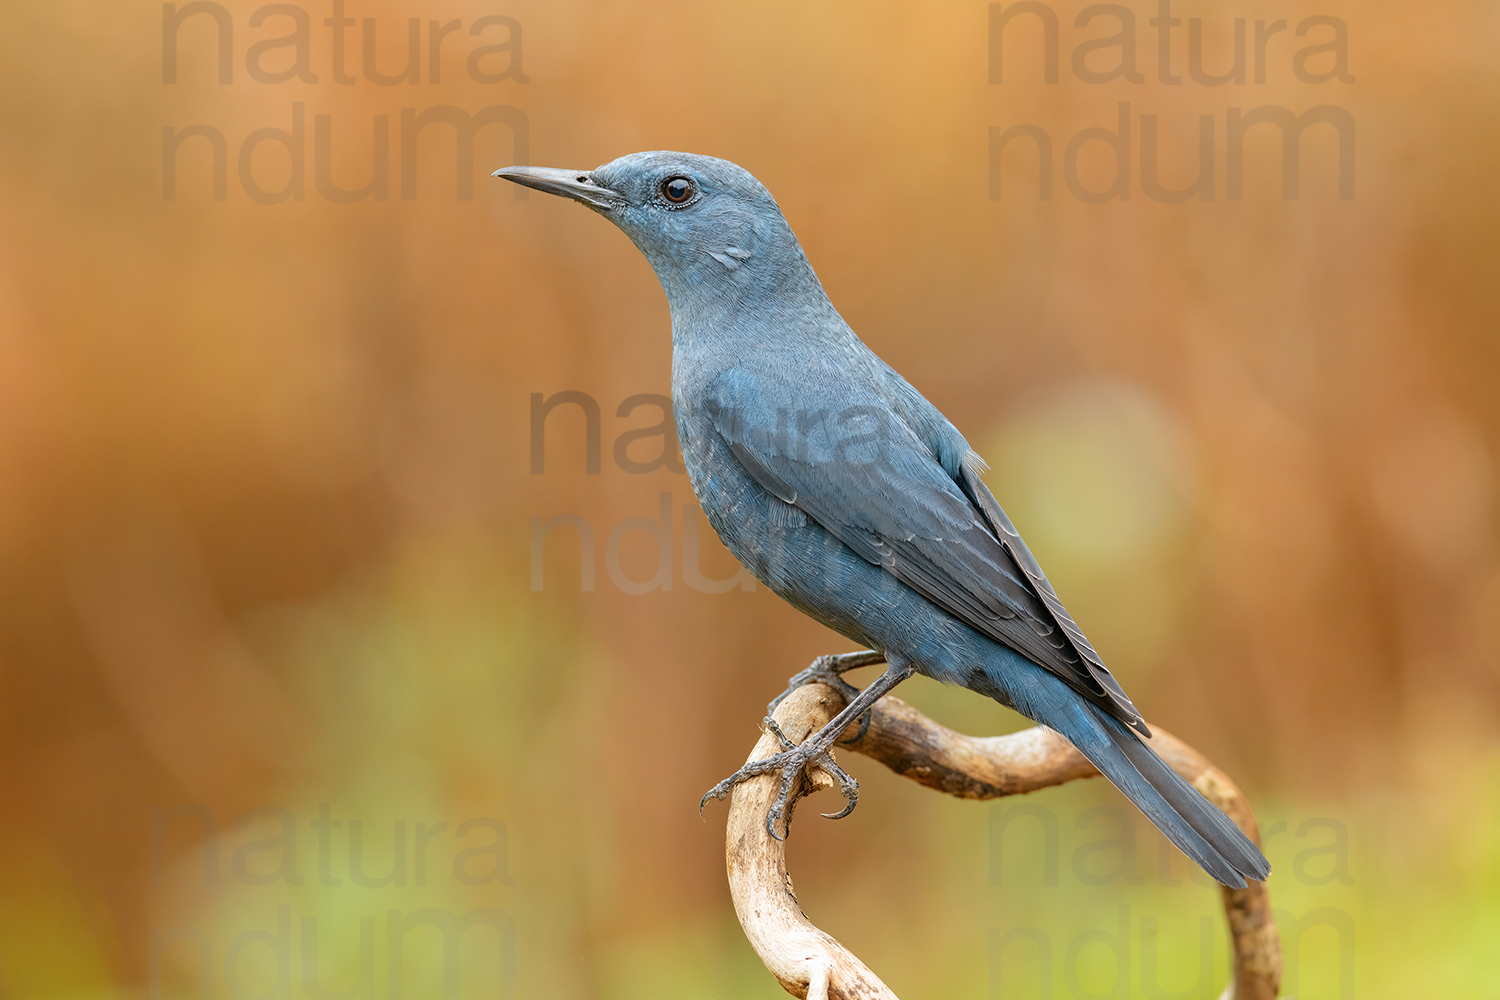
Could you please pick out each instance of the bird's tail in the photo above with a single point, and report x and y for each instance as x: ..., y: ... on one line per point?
x: 1178, y: 809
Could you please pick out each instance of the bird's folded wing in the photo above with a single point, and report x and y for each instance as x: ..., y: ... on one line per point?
x: 1011, y: 540
x: 890, y: 501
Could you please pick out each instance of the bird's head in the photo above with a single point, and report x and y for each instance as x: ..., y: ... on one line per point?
x: 711, y: 231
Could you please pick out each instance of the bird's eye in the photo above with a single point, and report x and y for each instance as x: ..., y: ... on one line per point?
x: 678, y: 189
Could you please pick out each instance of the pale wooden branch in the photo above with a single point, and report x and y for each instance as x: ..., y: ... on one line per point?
x: 810, y: 963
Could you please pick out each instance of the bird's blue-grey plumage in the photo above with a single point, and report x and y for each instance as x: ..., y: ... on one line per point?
x: 849, y: 494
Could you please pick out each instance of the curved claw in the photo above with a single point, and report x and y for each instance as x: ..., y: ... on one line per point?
x: 848, y: 808
x: 848, y: 787
x: 792, y: 762
x: 864, y: 727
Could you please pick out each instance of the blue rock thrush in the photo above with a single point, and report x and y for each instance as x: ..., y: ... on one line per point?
x: 849, y: 495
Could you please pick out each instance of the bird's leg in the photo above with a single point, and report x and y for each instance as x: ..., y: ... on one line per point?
x: 830, y: 670
x: 795, y: 758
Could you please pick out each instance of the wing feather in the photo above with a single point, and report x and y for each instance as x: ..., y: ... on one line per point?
x: 947, y: 539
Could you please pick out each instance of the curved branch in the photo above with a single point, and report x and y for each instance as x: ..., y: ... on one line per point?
x: 810, y: 963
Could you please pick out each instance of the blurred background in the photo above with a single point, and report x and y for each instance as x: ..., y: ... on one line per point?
x: 283, y: 681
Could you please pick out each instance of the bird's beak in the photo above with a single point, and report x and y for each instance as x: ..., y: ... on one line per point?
x: 576, y: 184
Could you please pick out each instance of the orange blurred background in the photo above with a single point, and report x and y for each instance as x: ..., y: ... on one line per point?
x: 267, y: 501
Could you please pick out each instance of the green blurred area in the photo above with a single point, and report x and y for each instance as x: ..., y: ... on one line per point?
x: 268, y: 509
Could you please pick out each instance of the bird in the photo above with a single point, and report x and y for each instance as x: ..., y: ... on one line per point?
x: 852, y: 497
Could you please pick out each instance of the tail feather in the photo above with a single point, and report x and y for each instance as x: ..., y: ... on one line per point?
x: 1208, y: 820
x: 1197, y: 826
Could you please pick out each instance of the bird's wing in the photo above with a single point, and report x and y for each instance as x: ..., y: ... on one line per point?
x: 865, y: 477
x: 1010, y: 539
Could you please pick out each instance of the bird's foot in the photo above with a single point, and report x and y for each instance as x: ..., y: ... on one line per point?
x: 830, y: 670
x: 792, y: 762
